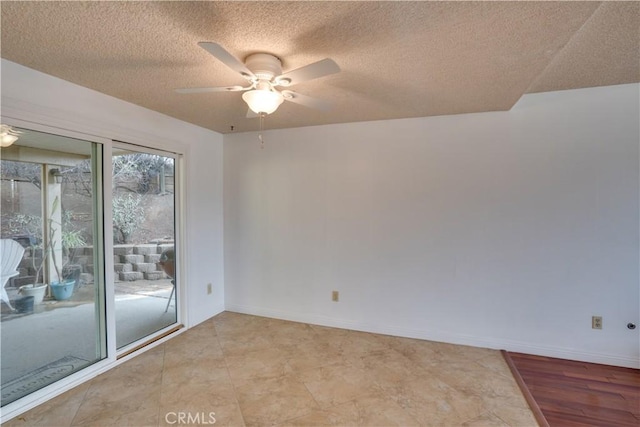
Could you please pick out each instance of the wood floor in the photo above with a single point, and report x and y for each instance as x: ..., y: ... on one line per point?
x: 570, y: 393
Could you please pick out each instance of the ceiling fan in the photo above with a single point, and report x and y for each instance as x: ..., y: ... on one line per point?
x: 263, y: 71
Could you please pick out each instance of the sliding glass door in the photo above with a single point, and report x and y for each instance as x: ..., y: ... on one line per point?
x: 52, y: 318
x: 58, y: 312
x: 144, y: 246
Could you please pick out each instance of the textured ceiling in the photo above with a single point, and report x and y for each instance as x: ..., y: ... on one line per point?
x: 398, y: 59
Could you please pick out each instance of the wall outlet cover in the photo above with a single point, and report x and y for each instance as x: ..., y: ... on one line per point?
x: 596, y: 322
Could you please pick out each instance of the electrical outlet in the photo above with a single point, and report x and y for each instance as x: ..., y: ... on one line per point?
x: 335, y: 296
x: 596, y: 322
x: 209, y: 288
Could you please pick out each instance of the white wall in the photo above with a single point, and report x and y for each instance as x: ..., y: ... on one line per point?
x: 504, y: 230
x: 507, y: 230
x: 31, y: 96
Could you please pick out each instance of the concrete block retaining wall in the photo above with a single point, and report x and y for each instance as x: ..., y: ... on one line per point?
x: 131, y: 262
x: 137, y: 262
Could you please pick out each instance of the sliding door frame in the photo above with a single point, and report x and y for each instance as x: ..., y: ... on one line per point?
x: 178, y: 207
x: 43, y: 120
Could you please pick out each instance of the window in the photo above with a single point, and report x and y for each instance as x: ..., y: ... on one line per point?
x: 144, y: 246
x: 52, y: 316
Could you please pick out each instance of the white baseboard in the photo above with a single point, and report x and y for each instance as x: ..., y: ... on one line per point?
x: 216, y: 309
x: 474, y: 341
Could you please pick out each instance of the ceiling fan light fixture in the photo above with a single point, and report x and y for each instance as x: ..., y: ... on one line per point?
x: 263, y: 101
x: 7, y: 136
x: 264, y: 73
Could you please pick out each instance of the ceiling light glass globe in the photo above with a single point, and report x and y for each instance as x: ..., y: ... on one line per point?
x: 263, y: 101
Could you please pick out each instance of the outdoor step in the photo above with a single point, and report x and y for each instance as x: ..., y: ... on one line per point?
x: 122, y: 249
x: 162, y: 241
x: 129, y: 276
x: 153, y: 275
x: 154, y: 258
x: 86, y: 278
x: 145, y: 267
x: 74, y: 252
x: 30, y: 252
x: 122, y: 267
x: 164, y: 247
x: 27, y: 262
x: 145, y: 249
x: 133, y: 259
x: 83, y: 260
x: 21, y: 281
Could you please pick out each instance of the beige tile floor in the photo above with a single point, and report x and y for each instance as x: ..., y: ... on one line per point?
x: 257, y: 371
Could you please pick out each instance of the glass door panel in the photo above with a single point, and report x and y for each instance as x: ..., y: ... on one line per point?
x: 52, y: 308
x: 144, y: 243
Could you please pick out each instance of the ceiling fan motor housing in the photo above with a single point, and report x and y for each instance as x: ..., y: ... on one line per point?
x: 264, y: 66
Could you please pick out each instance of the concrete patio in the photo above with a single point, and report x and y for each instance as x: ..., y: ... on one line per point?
x: 66, y: 330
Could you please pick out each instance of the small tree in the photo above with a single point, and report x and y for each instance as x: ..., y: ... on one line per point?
x: 128, y: 214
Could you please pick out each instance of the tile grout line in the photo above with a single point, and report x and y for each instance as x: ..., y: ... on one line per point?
x: 164, y: 356
x: 84, y: 395
x: 226, y: 366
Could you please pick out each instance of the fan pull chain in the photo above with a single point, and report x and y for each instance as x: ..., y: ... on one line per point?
x: 261, y: 129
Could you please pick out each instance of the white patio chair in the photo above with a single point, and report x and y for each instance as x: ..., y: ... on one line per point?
x: 10, y: 255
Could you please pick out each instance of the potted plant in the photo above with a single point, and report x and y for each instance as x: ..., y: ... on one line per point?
x: 62, y: 288
x: 24, y: 228
x: 68, y: 275
x: 38, y: 289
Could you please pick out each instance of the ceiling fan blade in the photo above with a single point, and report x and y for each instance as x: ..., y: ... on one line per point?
x: 309, y: 72
x: 212, y: 89
x: 227, y: 59
x: 305, y: 100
